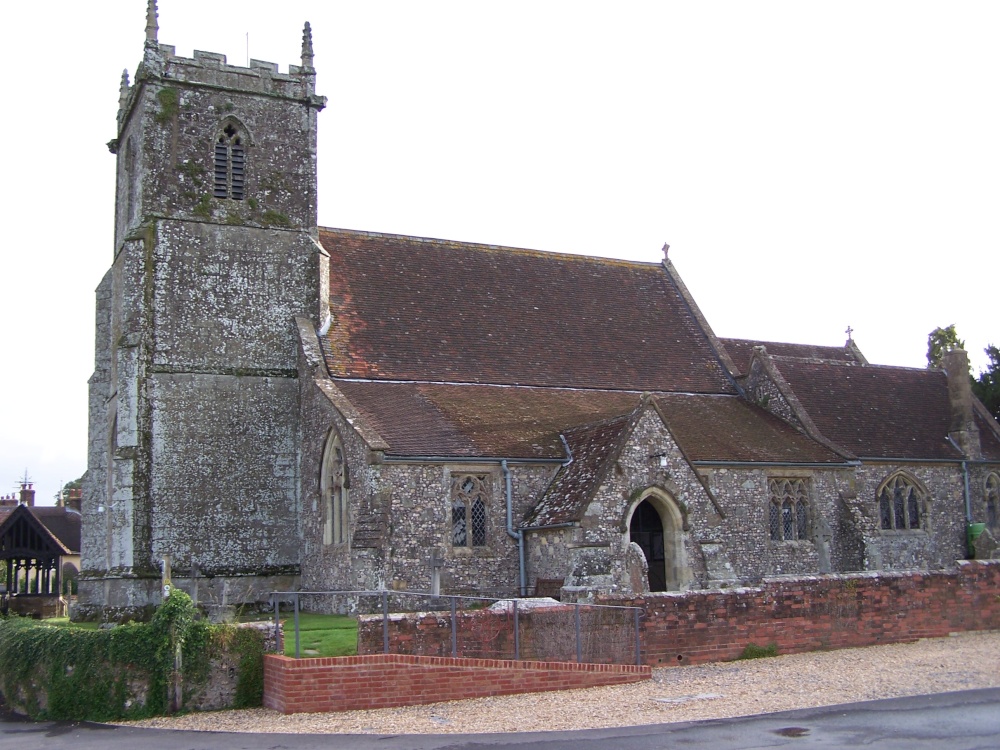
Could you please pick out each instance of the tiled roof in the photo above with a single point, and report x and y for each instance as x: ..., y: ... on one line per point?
x: 406, y: 308
x: 433, y: 419
x: 875, y: 411
x: 727, y: 428
x: 593, y: 449
x: 741, y: 349
x: 62, y: 523
x: 988, y: 437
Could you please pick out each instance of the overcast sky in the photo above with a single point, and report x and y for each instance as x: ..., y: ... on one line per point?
x: 813, y: 165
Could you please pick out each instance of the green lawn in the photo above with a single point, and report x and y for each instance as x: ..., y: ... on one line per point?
x: 322, y: 635
x: 319, y: 635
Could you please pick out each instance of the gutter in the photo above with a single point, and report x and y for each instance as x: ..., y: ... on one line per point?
x: 783, y: 464
x: 518, y: 534
x: 466, y: 460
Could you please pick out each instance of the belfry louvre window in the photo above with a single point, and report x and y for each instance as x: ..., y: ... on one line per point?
x: 469, y: 499
x: 993, y: 502
x: 788, y: 511
x: 899, y: 504
x: 230, y: 164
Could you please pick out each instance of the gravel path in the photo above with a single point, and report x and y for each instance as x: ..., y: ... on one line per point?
x: 961, y: 662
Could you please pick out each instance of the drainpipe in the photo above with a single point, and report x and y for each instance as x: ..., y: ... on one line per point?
x: 965, y: 479
x: 512, y: 532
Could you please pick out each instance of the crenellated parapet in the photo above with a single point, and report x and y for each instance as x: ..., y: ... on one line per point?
x: 211, y: 70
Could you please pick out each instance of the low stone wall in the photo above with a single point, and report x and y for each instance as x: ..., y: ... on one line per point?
x: 386, y: 680
x: 694, y: 627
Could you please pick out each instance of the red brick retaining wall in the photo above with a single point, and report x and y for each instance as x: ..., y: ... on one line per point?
x: 385, y: 680
x: 826, y: 612
x: 694, y: 627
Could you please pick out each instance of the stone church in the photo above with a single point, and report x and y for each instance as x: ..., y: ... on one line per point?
x: 278, y: 405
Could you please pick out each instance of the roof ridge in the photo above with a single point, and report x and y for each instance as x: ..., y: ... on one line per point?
x: 575, y: 388
x: 482, y: 246
x: 848, y: 363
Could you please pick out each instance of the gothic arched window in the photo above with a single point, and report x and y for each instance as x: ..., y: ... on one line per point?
x: 334, y: 488
x: 788, y: 514
x: 469, y: 497
x: 899, y: 500
x: 230, y: 163
x: 993, y: 502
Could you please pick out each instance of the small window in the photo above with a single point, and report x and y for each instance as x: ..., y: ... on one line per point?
x: 469, y: 508
x: 230, y: 164
x: 993, y: 502
x: 899, y: 504
x: 788, y: 514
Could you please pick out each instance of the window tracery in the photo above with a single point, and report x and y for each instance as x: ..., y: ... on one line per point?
x: 334, y: 488
x: 899, y: 500
x: 469, y: 499
x: 230, y: 164
x: 788, y: 511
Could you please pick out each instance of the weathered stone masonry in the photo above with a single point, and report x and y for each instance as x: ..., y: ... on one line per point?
x: 277, y: 405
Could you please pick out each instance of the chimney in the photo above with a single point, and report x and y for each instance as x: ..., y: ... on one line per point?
x: 963, y: 428
x: 27, y: 494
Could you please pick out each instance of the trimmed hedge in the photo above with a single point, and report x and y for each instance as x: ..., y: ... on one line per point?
x: 125, y: 672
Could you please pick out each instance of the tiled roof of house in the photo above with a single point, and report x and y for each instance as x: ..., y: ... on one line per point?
x: 741, y: 349
x: 593, y: 448
x: 727, y: 428
x: 406, y: 308
x: 875, y: 411
x: 63, y: 523
x: 434, y: 419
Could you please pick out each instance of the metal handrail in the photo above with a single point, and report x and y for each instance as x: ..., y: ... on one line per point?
x: 383, y: 595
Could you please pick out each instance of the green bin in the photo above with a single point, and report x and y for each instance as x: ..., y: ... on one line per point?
x: 975, y: 529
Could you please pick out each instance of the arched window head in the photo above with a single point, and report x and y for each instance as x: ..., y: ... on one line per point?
x: 334, y: 488
x: 993, y: 502
x: 230, y: 162
x: 899, y: 504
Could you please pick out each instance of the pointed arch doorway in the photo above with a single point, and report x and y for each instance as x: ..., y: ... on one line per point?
x: 656, y: 525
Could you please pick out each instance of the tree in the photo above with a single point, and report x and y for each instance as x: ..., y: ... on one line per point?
x: 987, y: 385
x: 74, y: 485
x: 940, y: 341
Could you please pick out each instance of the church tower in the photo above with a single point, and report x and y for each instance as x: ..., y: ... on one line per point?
x: 193, y: 445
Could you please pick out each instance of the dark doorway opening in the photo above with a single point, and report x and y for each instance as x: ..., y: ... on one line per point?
x: 646, y: 530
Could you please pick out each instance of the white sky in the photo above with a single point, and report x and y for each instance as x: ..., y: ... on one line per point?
x: 813, y: 165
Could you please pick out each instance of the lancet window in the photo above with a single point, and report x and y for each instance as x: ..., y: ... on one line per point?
x: 993, y: 502
x: 335, y: 489
x: 469, y: 502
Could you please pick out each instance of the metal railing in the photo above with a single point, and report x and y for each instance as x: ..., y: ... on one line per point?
x: 583, y: 633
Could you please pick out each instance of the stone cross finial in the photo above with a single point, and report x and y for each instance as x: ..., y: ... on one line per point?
x: 666, y: 250
x: 849, y: 331
x: 151, y: 25
x: 307, y: 46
